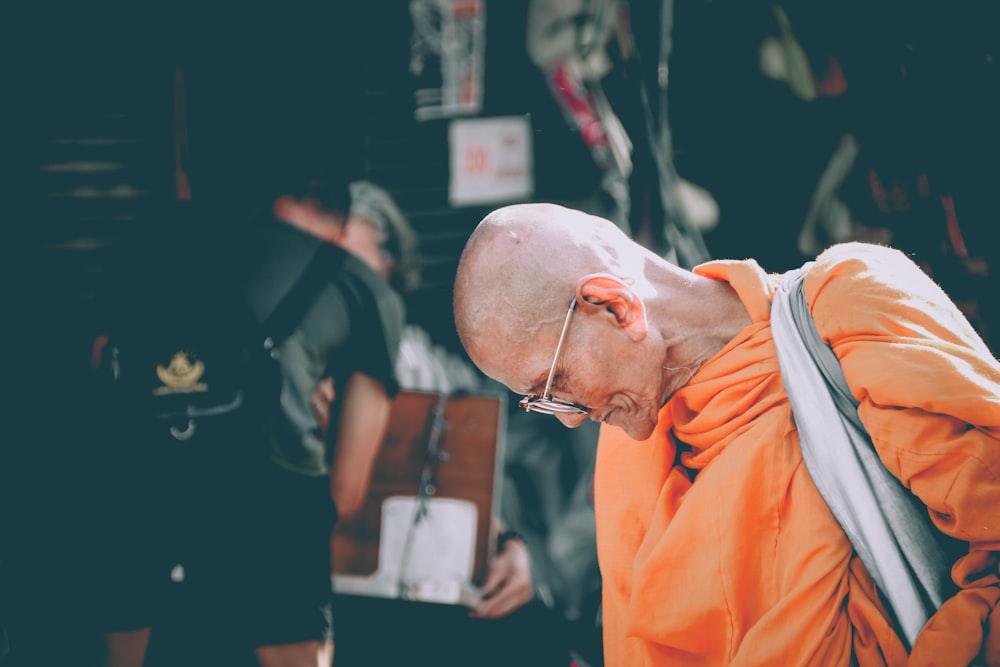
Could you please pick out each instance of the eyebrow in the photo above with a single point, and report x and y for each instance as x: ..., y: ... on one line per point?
x: 539, y: 386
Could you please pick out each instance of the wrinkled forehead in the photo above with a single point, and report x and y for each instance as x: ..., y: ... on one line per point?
x: 514, y: 347
x: 522, y: 368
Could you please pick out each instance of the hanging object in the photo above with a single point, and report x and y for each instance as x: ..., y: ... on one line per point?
x: 447, y: 51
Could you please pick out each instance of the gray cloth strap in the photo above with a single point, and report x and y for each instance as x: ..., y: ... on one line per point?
x: 887, y: 525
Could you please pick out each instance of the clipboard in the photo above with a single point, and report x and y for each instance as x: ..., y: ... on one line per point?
x: 426, y: 531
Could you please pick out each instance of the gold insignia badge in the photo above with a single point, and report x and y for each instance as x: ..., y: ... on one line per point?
x: 181, y: 376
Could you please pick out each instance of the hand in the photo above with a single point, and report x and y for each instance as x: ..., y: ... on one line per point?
x: 508, y: 585
x: 321, y: 400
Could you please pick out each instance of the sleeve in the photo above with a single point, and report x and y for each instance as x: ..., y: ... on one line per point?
x: 376, y: 331
x: 929, y: 393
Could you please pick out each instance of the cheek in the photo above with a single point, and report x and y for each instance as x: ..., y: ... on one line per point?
x: 597, y: 382
x: 626, y: 383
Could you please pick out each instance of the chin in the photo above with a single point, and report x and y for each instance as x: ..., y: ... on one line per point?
x: 639, y: 424
x: 640, y: 431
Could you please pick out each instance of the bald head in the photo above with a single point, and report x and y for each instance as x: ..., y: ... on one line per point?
x: 520, y: 268
x: 642, y: 325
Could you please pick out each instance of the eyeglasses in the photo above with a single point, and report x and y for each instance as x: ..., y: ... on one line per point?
x: 545, y: 403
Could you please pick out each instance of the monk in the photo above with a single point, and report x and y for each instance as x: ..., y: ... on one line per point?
x: 714, y: 543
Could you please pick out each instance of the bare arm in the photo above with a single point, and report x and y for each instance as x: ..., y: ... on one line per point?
x: 364, y: 417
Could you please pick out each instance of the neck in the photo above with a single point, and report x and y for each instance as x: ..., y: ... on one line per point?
x: 702, y: 317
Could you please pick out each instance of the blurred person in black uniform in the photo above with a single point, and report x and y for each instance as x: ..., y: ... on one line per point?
x: 83, y: 555
x: 250, y: 527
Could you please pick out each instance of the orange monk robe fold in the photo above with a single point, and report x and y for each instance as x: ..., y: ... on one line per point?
x: 746, y: 565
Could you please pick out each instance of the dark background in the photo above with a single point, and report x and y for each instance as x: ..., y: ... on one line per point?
x: 266, y: 88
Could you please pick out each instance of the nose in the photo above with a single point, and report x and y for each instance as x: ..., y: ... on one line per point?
x: 570, y: 420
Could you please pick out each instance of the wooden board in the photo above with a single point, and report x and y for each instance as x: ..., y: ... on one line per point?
x: 466, y: 431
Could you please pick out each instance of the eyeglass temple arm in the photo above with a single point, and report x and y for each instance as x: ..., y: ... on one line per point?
x: 555, y: 357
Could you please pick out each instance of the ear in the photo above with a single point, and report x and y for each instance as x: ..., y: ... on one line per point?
x: 604, y: 292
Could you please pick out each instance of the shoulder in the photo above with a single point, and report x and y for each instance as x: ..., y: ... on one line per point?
x: 858, y: 272
x: 357, y: 273
x: 866, y: 291
x: 857, y: 258
x: 372, y: 291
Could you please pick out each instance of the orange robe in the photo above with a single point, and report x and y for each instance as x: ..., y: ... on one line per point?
x: 745, y: 565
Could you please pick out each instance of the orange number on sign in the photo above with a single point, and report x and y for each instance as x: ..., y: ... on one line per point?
x: 475, y: 159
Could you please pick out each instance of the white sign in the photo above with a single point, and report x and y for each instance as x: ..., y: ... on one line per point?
x: 490, y: 160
